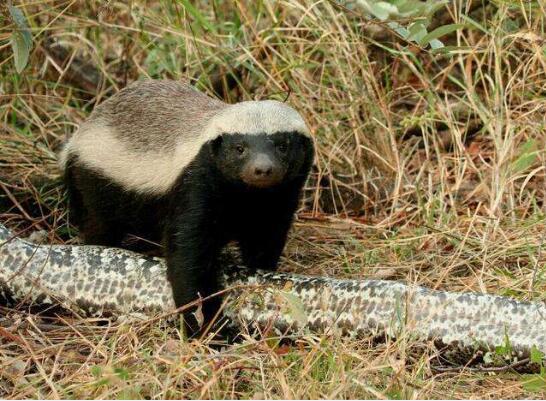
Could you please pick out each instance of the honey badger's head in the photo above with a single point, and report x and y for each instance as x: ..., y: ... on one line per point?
x: 261, y: 144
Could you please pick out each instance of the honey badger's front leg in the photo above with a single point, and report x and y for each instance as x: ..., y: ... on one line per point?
x: 193, y: 241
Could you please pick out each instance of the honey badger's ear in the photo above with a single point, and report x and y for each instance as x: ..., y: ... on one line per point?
x: 216, y: 144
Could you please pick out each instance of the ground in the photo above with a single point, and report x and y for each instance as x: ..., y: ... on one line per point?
x: 430, y: 168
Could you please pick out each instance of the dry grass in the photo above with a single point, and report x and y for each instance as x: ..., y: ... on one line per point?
x: 430, y: 168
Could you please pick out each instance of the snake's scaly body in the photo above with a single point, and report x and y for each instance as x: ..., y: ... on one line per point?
x: 107, y: 281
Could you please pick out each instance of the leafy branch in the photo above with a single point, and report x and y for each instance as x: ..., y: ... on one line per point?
x: 410, y: 19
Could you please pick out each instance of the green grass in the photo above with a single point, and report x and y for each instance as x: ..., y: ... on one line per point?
x: 429, y: 168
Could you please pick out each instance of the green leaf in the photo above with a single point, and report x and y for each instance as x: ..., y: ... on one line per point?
x: 536, y: 355
x: 475, y: 24
x: 295, y: 307
x: 435, y: 44
x: 506, y: 348
x: 411, y: 8
x: 417, y: 31
x: 20, y: 49
x: 20, y: 39
x: 527, y: 157
x: 22, y: 25
x: 195, y: 13
x: 439, y: 32
x: 455, y: 49
x: 399, y: 29
x: 383, y: 10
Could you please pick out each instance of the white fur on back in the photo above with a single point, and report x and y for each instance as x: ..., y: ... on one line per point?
x: 154, y: 171
x: 151, y: 172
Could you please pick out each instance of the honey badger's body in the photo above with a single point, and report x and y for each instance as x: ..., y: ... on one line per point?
x: 164, y: 162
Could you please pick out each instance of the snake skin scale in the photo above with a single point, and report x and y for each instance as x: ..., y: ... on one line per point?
x: 113, y: 282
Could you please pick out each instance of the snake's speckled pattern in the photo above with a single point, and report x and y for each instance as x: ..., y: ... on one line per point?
x: 116, y: 282
x: 99, y: 280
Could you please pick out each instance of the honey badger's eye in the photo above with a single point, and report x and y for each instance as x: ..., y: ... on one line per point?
x: 240, y: 149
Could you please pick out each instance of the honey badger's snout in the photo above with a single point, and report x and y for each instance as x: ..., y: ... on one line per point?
x: 262, y: 171
x: 263, y: 166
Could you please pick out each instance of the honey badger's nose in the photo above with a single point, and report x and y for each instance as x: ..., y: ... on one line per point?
x: 263, y: 166
x: 262, y: 171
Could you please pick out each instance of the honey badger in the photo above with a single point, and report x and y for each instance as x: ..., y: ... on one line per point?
x: 162, y: 161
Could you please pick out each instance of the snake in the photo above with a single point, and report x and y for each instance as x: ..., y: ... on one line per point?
x: 112, y: 282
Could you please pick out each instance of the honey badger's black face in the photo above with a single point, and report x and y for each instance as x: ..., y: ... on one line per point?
x: 261, y: 160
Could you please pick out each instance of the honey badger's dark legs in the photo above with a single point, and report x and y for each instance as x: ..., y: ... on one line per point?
x: 203, y: 218
x: 193, y: 240
x: 87, y: 211
x: 105, y: 214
